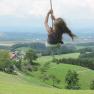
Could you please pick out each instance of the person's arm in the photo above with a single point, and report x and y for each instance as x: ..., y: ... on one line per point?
x: 46, y: 21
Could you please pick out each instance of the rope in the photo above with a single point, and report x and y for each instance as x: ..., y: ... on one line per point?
x: 51, y: 9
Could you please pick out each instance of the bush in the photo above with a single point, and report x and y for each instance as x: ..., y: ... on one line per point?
x: 72, y: 80
x: 45, y: 67
x: 84, y: 62
x: 55, y: 81
x: 92, y: 85
x: 30, y: 56
x: 5, y: 64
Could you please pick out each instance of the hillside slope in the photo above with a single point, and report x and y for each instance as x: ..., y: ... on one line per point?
x: 11, y: 84
x: 60, y: 70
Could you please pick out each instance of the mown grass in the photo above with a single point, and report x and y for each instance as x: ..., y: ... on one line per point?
x: 11, y: 84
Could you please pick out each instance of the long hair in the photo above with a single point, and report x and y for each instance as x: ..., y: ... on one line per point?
x: 61, y: 28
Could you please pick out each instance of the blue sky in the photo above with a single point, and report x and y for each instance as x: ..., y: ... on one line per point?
x: 28, y: 15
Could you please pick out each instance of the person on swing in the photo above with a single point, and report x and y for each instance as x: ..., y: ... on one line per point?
x: 59, y: 28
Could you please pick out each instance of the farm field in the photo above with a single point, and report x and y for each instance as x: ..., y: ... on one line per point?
x: 44, y: 59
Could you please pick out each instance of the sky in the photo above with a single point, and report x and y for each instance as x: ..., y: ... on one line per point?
x: 27, y: 15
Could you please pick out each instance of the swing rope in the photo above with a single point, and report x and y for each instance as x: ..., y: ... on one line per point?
x: 51, y: 13
x: 52, y: 25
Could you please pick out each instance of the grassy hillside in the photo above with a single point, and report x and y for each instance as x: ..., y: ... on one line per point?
x: 11, y: 84
x: 44, y: 59
x: 60, y: 70
x: 24, y: 84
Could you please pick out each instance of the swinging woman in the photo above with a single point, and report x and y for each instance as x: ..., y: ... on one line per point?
x: 57, y: 30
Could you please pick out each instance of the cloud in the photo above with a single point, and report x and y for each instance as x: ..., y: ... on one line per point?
x: 27, y: 13
x: 74, y: 9
x: 23, y: 7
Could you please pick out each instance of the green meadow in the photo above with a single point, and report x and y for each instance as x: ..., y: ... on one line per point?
x: 32, y: 84
x: 11, y: 84
x: 60, y: 70
x: 44, y: 59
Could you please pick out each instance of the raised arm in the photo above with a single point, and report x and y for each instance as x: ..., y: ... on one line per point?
x: 46, y: 22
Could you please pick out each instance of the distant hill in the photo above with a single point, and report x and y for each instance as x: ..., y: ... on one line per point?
x: 35, y: 36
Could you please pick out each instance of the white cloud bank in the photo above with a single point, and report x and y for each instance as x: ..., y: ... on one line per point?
x: 28, y: 8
